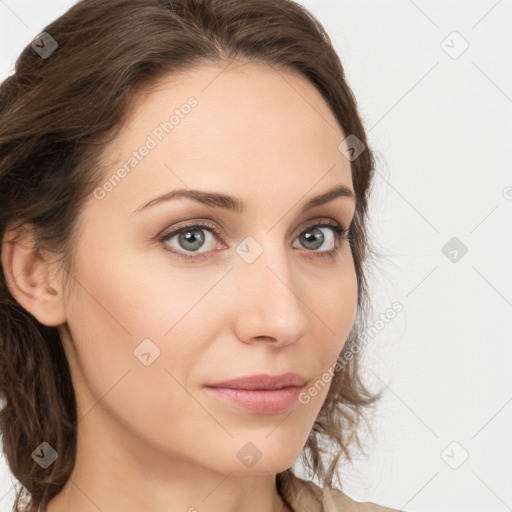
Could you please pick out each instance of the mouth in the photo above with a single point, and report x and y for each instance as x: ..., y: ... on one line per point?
x: 260, y: 394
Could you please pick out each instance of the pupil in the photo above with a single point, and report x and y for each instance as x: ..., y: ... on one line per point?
x: 188, y: 238
x: 316, y: 235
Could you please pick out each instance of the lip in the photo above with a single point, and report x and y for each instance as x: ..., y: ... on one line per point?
x: 260, y: 394
x: 262, y: 381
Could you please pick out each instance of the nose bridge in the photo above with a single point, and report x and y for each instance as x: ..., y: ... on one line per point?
x: 267, y: 304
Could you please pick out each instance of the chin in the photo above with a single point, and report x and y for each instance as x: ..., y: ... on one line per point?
x: 265, y: 456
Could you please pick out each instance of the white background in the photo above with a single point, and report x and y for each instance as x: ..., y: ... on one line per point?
x: 441, y: 128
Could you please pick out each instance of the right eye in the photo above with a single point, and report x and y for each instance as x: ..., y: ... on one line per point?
x: 191, y: 238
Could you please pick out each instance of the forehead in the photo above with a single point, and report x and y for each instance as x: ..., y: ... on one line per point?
x: 247, y: 127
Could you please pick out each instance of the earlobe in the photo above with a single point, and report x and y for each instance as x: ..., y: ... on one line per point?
x: 28, y: 277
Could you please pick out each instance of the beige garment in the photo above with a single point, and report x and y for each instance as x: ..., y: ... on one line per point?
x: 306, y: 496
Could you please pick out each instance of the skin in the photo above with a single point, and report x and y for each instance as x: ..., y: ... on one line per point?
x: 150, y: 436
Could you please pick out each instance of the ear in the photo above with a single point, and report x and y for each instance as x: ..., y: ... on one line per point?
x: 28, y: 276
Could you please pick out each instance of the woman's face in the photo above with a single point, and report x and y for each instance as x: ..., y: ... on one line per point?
x: 154, y: 316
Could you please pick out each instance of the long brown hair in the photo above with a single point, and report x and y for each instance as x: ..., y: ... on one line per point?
x: 60, y: 110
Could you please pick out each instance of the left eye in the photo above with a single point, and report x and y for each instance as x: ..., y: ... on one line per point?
x: 316, y: 238
x: 192, y: 238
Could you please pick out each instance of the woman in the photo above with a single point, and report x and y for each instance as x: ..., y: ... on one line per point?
x: 184, y: 194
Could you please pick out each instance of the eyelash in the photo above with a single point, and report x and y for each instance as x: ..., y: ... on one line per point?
x: 340, y: 233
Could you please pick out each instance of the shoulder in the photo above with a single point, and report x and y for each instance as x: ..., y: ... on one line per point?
x: 339, y: 501
x: 305, y: 496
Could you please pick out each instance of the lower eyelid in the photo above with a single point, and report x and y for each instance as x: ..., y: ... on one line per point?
x: 333, y: 225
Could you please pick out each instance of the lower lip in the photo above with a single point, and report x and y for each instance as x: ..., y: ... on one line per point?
x: 260, y: 401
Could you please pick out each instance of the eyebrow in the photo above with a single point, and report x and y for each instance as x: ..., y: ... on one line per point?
x: 218, y: 200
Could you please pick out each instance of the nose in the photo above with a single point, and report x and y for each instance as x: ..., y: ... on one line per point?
x: 268, y: 306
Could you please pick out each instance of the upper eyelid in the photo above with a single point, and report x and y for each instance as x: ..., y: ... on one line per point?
x: 340, y: 230
x: 214, y: 226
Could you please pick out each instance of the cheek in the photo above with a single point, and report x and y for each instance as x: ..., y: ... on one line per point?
x: 336, y: 308
x: 121, y: 302
x: 117, y: 304
x: 127, y: 296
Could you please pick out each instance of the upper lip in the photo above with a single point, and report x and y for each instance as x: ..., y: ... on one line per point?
x: 262, y: 381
